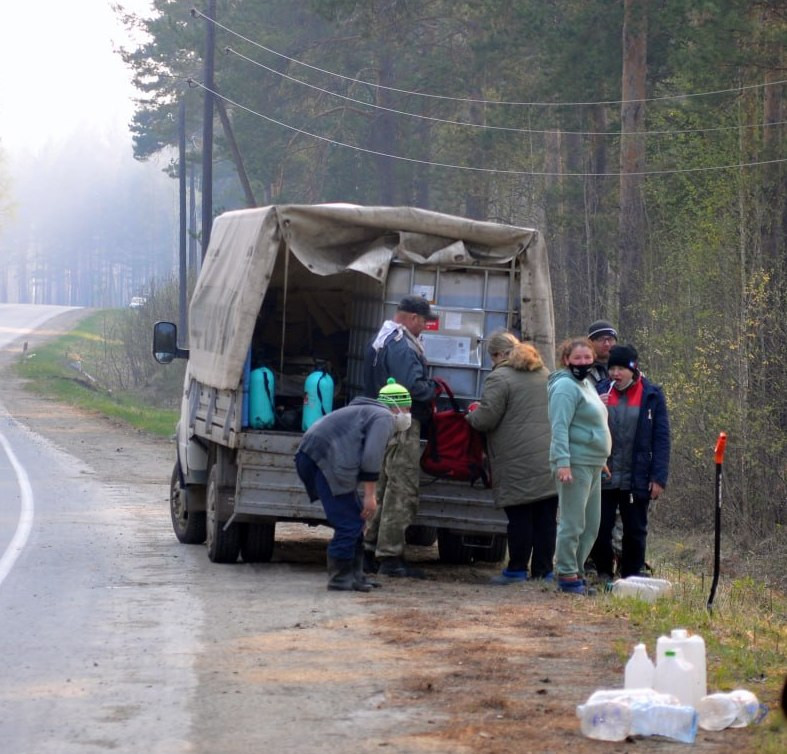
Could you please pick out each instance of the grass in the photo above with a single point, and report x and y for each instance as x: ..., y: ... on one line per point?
x: 745, y: 636
x: 63, y: 369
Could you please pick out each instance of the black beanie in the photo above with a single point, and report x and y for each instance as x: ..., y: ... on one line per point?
x: 623, y: 356
x: 601, y: 327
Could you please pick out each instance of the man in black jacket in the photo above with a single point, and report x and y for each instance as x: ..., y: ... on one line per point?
x: 602, y: 336
x: 397, y: 352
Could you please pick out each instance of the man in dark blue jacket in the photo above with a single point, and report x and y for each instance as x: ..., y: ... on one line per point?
x: 639, y: 464
x: 397, y: 352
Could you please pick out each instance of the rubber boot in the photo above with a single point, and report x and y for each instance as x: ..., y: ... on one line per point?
x: 370, y: 564
x: 360, y: 581
x: 397, y: 567
x: 340, y: 574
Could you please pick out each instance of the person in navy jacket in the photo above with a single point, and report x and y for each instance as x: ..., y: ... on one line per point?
x: 638, y: 465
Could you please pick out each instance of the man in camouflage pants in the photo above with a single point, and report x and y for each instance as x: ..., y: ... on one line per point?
x: 397, y: 352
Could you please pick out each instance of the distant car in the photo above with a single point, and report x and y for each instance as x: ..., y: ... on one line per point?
x: 137, y: 302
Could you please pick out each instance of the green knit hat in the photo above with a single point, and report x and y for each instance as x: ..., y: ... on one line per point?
x: 393, y: 394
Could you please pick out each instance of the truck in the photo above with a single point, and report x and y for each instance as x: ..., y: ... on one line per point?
x: 294, y: 288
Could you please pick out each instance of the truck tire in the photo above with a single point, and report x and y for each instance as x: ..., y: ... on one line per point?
x: 256, y: 542
x: 452, y: 550
x: 189, y: 526
x: 223, y: 546
x: 425, y: 536
x: 495, y: 552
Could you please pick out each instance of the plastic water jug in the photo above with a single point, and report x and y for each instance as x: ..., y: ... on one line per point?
x: 717, y: 711
x: 749, y: 708
x: 675, y: 676
x: 626, y: 588
x: 662, y: 586
x: 640, y: 670
x: 262, y: 389
x: 317, y: 397
x: 734, y: 709
x: 693, y: 651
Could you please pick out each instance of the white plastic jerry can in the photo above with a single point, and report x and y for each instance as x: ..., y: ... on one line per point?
x: 640, y: 671
x: 693, y: 651
x: 675, y: 676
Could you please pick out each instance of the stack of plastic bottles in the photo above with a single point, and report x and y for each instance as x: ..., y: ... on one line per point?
x: 668, y: 698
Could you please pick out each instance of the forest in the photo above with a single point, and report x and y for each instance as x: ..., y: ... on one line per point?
x: 645, y: 140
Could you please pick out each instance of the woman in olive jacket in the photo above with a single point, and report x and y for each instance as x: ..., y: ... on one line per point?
x: 513, y: 413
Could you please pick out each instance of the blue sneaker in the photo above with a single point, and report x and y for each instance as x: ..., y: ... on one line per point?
x: 572, y: 586
x: 506, y: 577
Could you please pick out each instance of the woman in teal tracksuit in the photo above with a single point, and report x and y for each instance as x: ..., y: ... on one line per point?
x: 581, y: 444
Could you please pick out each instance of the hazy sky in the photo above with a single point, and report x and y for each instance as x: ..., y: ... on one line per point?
x: 58, y: 71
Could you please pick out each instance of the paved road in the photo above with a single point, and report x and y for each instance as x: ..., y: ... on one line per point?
x: 115, y: 637
x: 82, y: 583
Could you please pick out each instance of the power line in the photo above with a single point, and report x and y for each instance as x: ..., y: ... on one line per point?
x: 496, y: 171
x: 484, y: 126
x: 196, y: 12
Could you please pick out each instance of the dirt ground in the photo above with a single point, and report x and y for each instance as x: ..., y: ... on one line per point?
x: 492, y: 670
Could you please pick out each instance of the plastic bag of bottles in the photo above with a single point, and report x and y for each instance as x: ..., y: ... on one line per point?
x: 614, y: 714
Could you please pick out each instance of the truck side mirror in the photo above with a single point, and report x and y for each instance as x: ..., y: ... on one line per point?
x: 165, y: 343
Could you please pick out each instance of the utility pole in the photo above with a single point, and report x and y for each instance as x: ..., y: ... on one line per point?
x: 207, y: 128
x: 182, y: 284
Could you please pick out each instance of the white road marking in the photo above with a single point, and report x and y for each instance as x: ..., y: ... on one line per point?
x: 26, y: 513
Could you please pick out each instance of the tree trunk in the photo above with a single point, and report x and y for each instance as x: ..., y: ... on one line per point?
x: 385, y: 133
x: 558, y: 266
x: 477, y: 197
x: 579, y: 281
x: 775, y: 183
x: 597, y: 207
x: 193, y: 255
x: 422, y: 172
x: 632, y: 163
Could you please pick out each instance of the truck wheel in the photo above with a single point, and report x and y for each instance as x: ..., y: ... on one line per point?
x: 496, y: 552
x: 256, y: 542
x: 189, y: 527
x: 425, y: 536
x: 451, y: 549
x: 223, y: 546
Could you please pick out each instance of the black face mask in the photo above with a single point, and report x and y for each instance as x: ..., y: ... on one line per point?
x: 580, y: 371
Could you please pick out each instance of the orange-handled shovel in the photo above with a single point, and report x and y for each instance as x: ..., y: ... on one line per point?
x: 721, y: 445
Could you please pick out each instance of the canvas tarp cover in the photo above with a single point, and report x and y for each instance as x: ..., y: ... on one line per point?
x: 332, y: 238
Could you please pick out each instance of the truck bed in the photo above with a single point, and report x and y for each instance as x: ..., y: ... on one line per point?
x: 268, y: 487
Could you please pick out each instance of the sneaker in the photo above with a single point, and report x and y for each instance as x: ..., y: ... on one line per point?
x: 399, y: 568
x: 506, y: 577
x: 572, y: 586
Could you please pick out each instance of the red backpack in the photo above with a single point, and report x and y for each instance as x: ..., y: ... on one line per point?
x: 454, y: 450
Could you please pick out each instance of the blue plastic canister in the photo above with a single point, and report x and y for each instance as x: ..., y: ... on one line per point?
x: 317, y: 397
x: 261, y: 398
